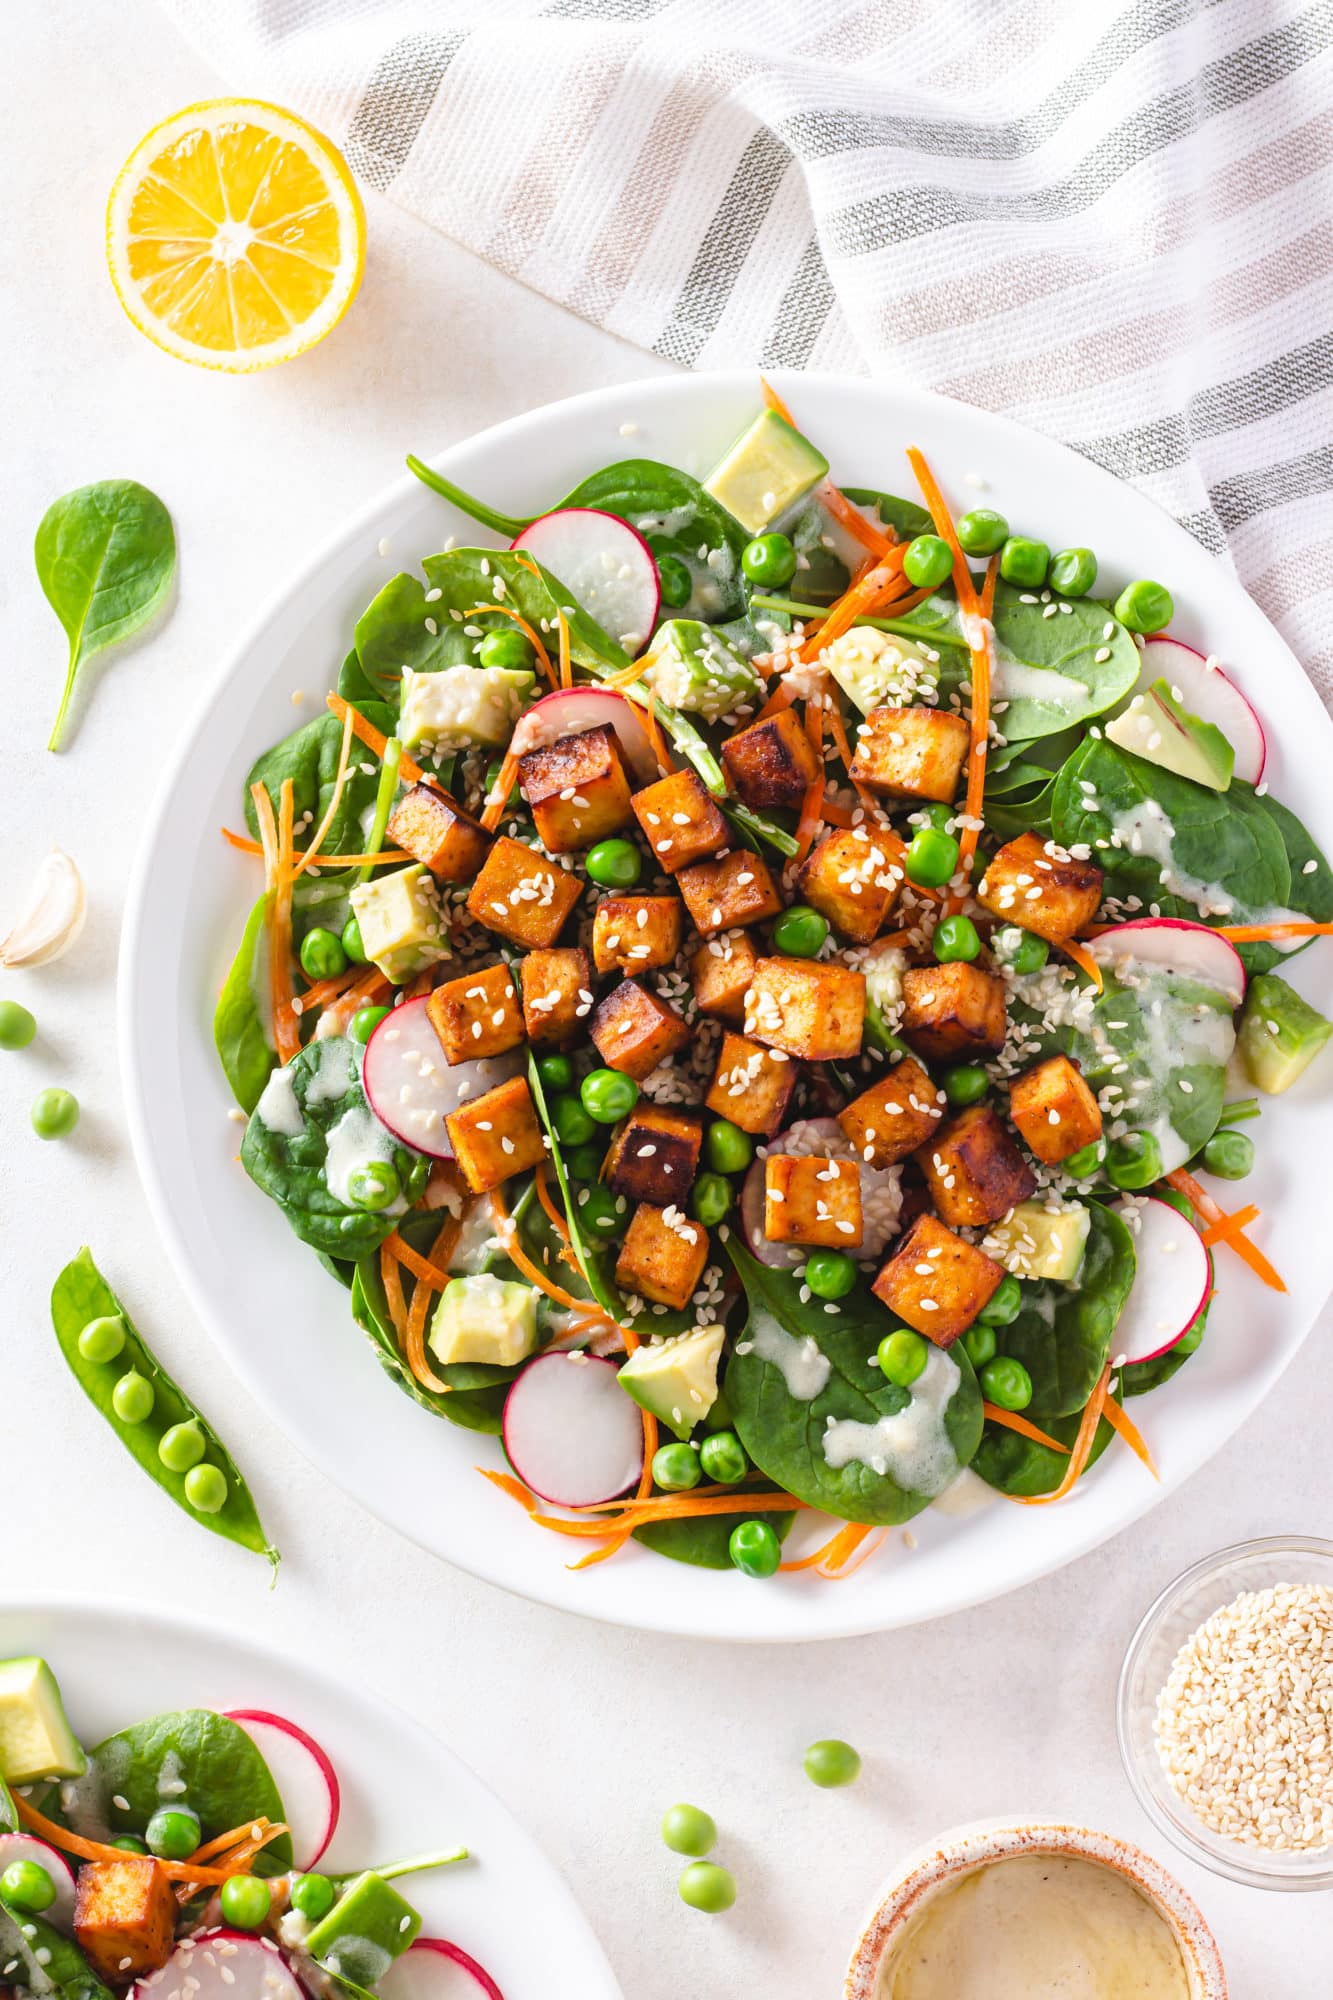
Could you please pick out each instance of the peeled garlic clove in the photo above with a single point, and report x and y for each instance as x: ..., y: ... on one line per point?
x: 52, y: 917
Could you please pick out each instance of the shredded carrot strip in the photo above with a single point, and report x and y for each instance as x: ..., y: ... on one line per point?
x: 1129, y: 1431
x: 1011, y: 1421
x: 508, y: 611
x: 96, y: 1850
x: 666, y: 762
x: 835, y: 815
x: 1221, y: 1232
x: 1083, y: 959
x: 366, y: 732
x: 553, y: 1215
x: 623, y: 677
x: 329, y: 989
x: 781, y: 697
x: 872, y: 589
x: 869, y: 1542
x: 670, y: 1507
x: 774, y: 402
x: 566, y: 669
x: 849, y: 516
x: 286, y: 1034
x: 429, y: 1272
x: 1083, y: 1443
x: 1256, y: 933
x: 519, y: 1257
x: 393, y: 1293
x: 1235, y: 1238
x: 440, y: 1252
x: 240, y: 1836
x: 838, y: 730
x: 811, y: 805
x: 497, y: 804
x: 987, y: 604
x: 829, y: 1557
x: 339, y: 780
x: 367, y: 992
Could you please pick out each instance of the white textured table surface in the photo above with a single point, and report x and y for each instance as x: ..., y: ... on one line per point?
x: 584, y: 1730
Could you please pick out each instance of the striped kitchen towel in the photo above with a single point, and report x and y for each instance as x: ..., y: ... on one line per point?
x: 1111, y: 219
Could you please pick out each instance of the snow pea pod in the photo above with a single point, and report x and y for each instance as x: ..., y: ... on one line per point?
x: 81, y: 1294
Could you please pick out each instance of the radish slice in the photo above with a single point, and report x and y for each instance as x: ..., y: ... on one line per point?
x: 1171, y: 1284
x: 569, y: 711
x: 223, y: 1965
x: 1206, y: 692
x: 570, y: 1431
x: 411, y: 1087
x: 606, y: 566
x: 22, y: 1847
x: 1176, y: 945
x: 435, y: 1969
x: 823, y: 1136
x: 306, y: 1780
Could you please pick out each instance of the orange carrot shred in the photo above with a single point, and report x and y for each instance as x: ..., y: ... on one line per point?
x: 811, y: 805
x: 1129, y: 1431
x: 96, y: 1850
x: 781, y: 697
x: 366, y: 732
x: 440, y: 1252
x: 1256, y: 933
x: 566, y: 669
x: 497, y: 803
x: 339, y: 780
x: 1235, y: 1238
x: 1083, y: 959
x: 1011, y: 1421
x: 1078, y: 1457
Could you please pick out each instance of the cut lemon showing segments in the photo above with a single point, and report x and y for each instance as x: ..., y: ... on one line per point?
x: 235, y: 235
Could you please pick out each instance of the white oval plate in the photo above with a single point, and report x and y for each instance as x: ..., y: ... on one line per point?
x: 285, y: 1326
x: 402, y: 1791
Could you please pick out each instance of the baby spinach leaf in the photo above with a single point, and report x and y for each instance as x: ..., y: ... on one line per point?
x: 471, y: 1405
x: 194, y: 1757
x: 1062, y: 1334
x: 309, y: 757
x: 1163, y: 1047
x: 46, y: 1964
x: 702, y: 1543
x: 392, y: 633
x: 353, y: 684
x: 239, y: 1031
x: 468, y: 578
x: 1067, y: 648
x: 1311, y: 894
x: 1024, y: 1469
x: 905, y: 517
x: 105, y: 558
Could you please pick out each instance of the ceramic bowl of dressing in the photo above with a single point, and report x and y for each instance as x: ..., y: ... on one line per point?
x: 1011, y: 1902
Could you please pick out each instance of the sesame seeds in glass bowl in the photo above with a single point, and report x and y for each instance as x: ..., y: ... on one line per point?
x: 1225, y: 1713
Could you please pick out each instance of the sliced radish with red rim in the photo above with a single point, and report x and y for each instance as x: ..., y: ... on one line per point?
x: 306, y: 1780
x: 223, y: 1965
x: 1173, y: 1280
x: 1207, y: 692
x: 1173, y: 944
x: 570, y: 1431
x: 606, y: 566
x: 570, y: 711
x: 436, y: 1969
x: 410, y: 1086
x: 23, y: 1847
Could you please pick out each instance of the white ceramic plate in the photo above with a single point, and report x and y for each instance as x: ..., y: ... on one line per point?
x: 402, y: 1791
x: 286, y: 1326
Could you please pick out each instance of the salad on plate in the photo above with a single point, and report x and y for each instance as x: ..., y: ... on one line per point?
x: 748, y: 976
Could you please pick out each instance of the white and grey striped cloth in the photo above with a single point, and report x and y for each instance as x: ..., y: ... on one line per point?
x: 1111, y: 219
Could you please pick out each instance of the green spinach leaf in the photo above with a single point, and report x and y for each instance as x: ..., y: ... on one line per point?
x: 702, y: 1543
x: 199, y: 1758
x: 309, y: 757
x: 1062, y: 1334
x: 467, y: 578
x: 1024, y: 1469
x: 392, y: 633
x: 45, y: 1963
x: 239, y: 1031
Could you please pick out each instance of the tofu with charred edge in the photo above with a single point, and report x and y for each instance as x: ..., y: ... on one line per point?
x: 635, y: 933
x: 476, y: 1015
x: 897, y: 1114
x: 556, y: 988
x: 772, y: 763
x: 577, y: 788
x: 125, y: 1917
x: 680, y: 821
x: 522, y: 895
x: 725, y: 894
x: 633, y: 1031
x: 663, y: 1255
x: 429, y: 826
x: 1035, y: 884
x: 973, y: 1169
x: 936, y: 1282
x: 720, y: 973
x: 813, y: 1011
x: 752, y: 1086
x: 911, y: 753
x: 953, y: 1013
x: 853, y: 878
x: 1055, y: 1111
x: 497, y: 1136
x: 812, y: 1200
x: 655, y: 1155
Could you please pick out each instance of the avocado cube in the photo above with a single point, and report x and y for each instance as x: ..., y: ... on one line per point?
x: 1055, y: 1111
x: 634, y: 1031
x: 1036, y: 884
x: 368, y: 1927
x: 125, y: 1917
x: 853, y: 877
x: 459, y: 707
x: 680, y: 820
x: 1158, y: 728
x: 635, y: 933
x: 752, y: 1086
x: 720, y: 974
x: 913, y: 753
x: 690, y: 667
x: 497, y: 1135
x: 436, y: 831
x: 556, y: 986
x: 735, y: 889
x: 973, y: 1169
x: 937, y: 1282
x: 1041, y: 1240
x: 655, y: 1155
x: 482, y: 1318
x: 772, y: 763
x: 812, y: 1200
x: 402, y: 929
x: 877, y: 668
x: 36, y: 1740
x: 813, y: 1011
x: 766, y: 471
x: 676, y: 1380
x: 953, y: 1013
x: 521, y: 895
x: 899, y: 1112
x: 1280, y: 1034
x: 578, y: 789
x: 663, y: 1255
x: 476, y: 1015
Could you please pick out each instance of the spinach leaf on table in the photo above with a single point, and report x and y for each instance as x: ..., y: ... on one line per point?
x: 1023, y: 1468
x: 1063, y: 1333
x: 214, y: 1763
x: 45, y: 1963
x: 240, y: 1034
x: 309, y: 757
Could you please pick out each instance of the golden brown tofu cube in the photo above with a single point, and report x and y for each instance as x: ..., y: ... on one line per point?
x: 522, y: 895
x: 720, y: 974
x: 897, y: 1114
x: 813, y: 1011
x: 680, y: 820
x: 635, y: 933
x: 752, y: 1085
x: 1054, y: 1110
x: 663, y: 1255
x: 497, y: 1136
x: 633, y: 1031
x: 578, y: 789
x: 974, y: 1170
x: 937, y: 1283
x: 125, y: 1917
x: 655, y: 1154
x: 912, y: 753
x: 476, y: 1015
x: 812, y: 1200
x: 953, y: 1013
x: 852, y: 878
x: 438, y: 834
x: 557, y: 994
x: 1039, y: 886
x: 772, y: 763
x: 720, y: 895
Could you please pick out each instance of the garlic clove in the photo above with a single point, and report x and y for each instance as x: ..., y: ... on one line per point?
x: 52, y: 917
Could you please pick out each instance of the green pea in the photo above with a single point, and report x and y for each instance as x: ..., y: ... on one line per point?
x: 1144, y: 606
x: 1086, y: 1162
x: 931, y: 857
x: 1134, y: 1161
x: 927, y: 561
x: 688, y: 1830
x: 1004, y: 1304
x: 1229, y: 1155
x: 934, y: 812
x: 351, y: 943
x: 365, y: 1022
x: 313, y: 1896
x: 583, y: 1162
x: 556, y: 1072
x: 710, y: 1198
x: 206, y: 1489
x: 981, y: 531
x: 966, y: 1083
x: 956, y: 938
x: 979, y: 1343
x: 245, y: 1901
x: 608, y: 1095
x: 676, y: 1468
x: 1006, y: 1383
x: 133, y: 1398
x: 723, y: 1458
x: 831, y: 1762
x: 172, y: 1833
x: 374, y: 1185
x: 800, y: 932
x: 1023, y: 950
x: 102, y: 1339
x: 55, y: 1113
x: 27, y: 1886
x: 599, y: 1213
x: 181, y: 1447
x: 615, y: 864
x: 506, y: 648
x: 573, y: 1126
x: 676, y: 582
x: 705, y: 1886
x: 322, y: 955
x: 754, y: 1549
x: 728, y: 1148
x: 902, y: 1356
x: 830, y: 1274
x: 770, y: 560
x: 1073, y: 572
x: 1023, y: 562
x: 17, y: 1025
x: 129, y: 1843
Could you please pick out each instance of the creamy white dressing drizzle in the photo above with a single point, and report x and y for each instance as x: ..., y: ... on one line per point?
x: 913, y: 1446
x: 1146, y: 829
x: 967, y: 1494
x: 277, y: 1109
x: 354, y: 1141
x: 1173, y: 1036
x: 1015, y: 680
x: 801, y: 1364
x: 334, y: 1074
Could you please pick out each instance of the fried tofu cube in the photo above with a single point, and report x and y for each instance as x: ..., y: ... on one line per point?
x: 953, y: 1013
x: 1039, y: 886
x: 814, y: 1011
x: 1054, y: 1110
x: 772, y: 763
x: 438, y: 833
x: 655, y: 1154
x: 476, y: 1015
x: 722, y: 895
x: 812, y: 1200
x: 752, y: 1086
x: 578, y: 789
x: 973, y: 1169
x: 635, y: 933
x: 720, y: 974
x: 634, y: 1031
x: 497, y: 1136
x: 125, y: 1917
x: 897, y: 1114
x: 557, y: 994
x: 663, y: 1255
x: 937, y: 1283
x: 680, y: 820
x: 911, y: 753
x: 852, y: 878
x: 522, y: 895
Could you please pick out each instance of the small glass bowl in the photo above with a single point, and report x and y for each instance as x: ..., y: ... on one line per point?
x: 1182, y: 1607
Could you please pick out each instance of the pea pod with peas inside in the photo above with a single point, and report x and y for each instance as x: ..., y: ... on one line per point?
x: 172, y: 1441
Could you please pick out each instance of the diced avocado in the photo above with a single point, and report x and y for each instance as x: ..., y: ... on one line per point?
x: 877, y: 669
x: 676, y: 1380
x: 1157, y: 728
x: 689, y: 667
x: 402, y: 930
x: 483, y: 1318
x: 1280, y: 1034
x: 1034, y: 1241
x: 368, y: 1927
x: 36, y: 1740
x: 461, y: 706
x: 765, y: 472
